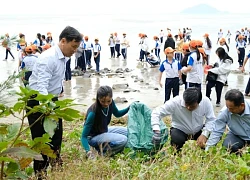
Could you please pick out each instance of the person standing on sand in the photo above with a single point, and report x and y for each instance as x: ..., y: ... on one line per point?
x: 228, y: 36
x: 240, y: 47
x: 207, y: 46
x: 6, y: 44
x: 117, y: 45
x: 220, y: 35
x: 112, y: 45
x: 97, y: 55
x: 47, y: 76
x: 161, y: 35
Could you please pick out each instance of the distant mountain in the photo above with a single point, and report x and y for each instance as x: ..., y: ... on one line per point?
x: 201, y: 9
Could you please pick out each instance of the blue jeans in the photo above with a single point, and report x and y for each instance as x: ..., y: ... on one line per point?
x: 234, y: 143
x: 116, y: 137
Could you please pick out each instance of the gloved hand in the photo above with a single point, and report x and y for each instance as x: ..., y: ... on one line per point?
x: 90, y: 155
x: 156, y: 139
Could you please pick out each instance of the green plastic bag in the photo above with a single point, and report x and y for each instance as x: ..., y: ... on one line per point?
x: 140, y: 132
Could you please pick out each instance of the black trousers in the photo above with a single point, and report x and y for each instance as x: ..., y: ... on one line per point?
x: 68, y: 70
x: 171, y: 84
x: 37, y: 130
x: 8, y: 51
x: 218, y: 89
x: 112, y: 51
x: 178, y: 137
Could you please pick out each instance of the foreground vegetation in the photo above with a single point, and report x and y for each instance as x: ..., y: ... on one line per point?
x: 191, y: 163
x: 17, y: 151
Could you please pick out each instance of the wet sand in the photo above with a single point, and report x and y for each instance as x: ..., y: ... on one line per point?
x: 83, y: 89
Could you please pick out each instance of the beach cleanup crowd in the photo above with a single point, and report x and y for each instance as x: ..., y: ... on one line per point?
x: 47, y: 65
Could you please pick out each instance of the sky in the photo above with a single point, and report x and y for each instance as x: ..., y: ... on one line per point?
x: 112, y: 6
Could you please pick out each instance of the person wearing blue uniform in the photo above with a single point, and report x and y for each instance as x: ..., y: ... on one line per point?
x: 97, y: 56
x: 240, y: 47
x: 27, y: 64
x: 47, y: 78
x: 172, y: 69
x: 152, y: 59
x: 96, y: 132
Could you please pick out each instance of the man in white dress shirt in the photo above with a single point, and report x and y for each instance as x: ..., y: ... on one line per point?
x: 47, y: 77
x: 192, y: 118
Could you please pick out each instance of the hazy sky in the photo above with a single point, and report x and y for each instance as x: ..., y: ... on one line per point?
x: 119, y: 6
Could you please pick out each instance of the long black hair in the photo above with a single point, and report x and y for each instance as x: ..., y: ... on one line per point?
x: 39, y: 36
x: 103, y: 91
x: 220, y: 51
x: 209, y: 44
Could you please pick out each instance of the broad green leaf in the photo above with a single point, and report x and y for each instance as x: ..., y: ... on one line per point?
x: 70, y: 112
x: 49, y: 126
x: 44, y: 98
x: 22, y: 152
x: 3, y: 145
x: 44, y: 139
x: 24, y: 90
x: 18, y: 107
x: 44, y: 149
x: 7, y: 159
x: 12, y: 167
x: 65, y: 117
x: 12, y: 131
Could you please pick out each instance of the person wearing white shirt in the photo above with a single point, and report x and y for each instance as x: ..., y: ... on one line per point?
x: 161, y: 35
x: 152, y: 59
x: 187, y: 118
x: 46, y: 78
x: 194, y: 69
x: 224, y: 44
x: 207, y: 46
x: 117, y: 45
x: 88, y: 51
x: 97, y: 51
x: 220, y: 35
x: 235, y: 115
x: 228, y: 36
x: 124, y: 46
x: 112, y: 45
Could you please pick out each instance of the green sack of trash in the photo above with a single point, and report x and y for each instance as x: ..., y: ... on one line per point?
x: 140, y: 132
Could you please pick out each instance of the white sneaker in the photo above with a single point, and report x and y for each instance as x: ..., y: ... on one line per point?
x: 217, y: 105
x: 4, y: 59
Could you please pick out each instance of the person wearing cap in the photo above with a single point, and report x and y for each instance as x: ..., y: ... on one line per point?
x: 194, y: 69
x: 117, y: 45
x: 222, y: 70
x: 97, y: 50
x: 220, y: 35
x: 144, y: 46
x: 111, y: 43
x: 46, y: 47
x: 157, y: 47
x: 88, y: 51
x: 49, y: 39
x: 47, y: 78
x: 124, y: 46
x: 6, y: 43
x: 183, y: 62
x: 36, y: 51
x: 187, y: 118
x: 172, y: 69
x: 240, y: 47
x: 28, y: 64
x: 207, y: 46
x: 224, y: 45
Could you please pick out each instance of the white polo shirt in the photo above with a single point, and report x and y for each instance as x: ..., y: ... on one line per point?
x: 196, y: 73
x: 190, y: 122
x: 171, y: 69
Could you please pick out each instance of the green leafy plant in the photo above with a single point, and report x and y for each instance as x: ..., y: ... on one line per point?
x: 17, y: 150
